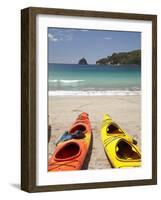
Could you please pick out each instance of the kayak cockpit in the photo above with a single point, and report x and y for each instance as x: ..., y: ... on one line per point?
x: 67, y: 152
x: 78, y: 127
x: 126, y: 151
x: 114, y: 129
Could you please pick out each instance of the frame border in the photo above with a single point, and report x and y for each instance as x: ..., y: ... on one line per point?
x: 28, y: 98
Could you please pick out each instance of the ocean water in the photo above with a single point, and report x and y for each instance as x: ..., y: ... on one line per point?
x: 75, y: 79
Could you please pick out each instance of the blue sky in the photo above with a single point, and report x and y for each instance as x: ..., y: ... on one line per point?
x: 70, y: 45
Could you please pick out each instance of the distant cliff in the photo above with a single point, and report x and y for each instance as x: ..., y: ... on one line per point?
x: 132, y: 57
x: 83, y: 61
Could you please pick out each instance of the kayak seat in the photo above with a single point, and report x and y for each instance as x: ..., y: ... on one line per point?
x: 113, y: 129
x: 78, y: 135
x: 68, y: 151
x: 126, y: 151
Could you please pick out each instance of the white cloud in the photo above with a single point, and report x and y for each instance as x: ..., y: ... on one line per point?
x: 55, y: 39
x: 52, y: 38
x: 107, y: 38
x: 70, y: 30
x: 60, y: 37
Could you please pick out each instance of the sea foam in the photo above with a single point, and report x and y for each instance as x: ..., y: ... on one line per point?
x: 94, y: 93
x: 65, y: 81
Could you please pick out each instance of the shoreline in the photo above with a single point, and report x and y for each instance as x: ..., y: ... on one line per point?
x: 124, y: 110
x: 95, y: 93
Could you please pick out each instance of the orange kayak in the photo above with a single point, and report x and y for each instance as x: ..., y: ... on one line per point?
x: 70, y: 154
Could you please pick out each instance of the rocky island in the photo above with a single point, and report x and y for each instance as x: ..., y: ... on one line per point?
x: 132, y: 57
x: 83, y: 61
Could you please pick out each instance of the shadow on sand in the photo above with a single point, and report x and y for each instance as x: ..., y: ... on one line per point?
x: 88, y: 157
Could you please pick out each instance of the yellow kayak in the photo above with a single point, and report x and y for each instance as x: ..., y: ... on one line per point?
x: 120, y: 148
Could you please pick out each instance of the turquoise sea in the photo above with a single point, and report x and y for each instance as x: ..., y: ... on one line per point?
x: 75, y: 79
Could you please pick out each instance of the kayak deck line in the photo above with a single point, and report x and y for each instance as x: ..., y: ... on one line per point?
x: 67, y: 164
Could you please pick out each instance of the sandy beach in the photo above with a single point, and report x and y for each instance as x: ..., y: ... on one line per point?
x: 124, y: 110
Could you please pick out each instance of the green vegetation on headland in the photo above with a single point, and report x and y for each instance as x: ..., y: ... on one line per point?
x: 83, y: 61
x: 132, y: 57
